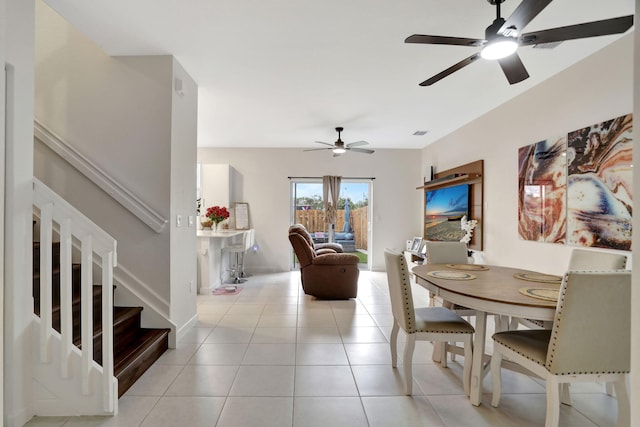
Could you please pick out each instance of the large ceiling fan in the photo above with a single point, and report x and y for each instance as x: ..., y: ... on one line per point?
x: 503, y: 37
x: 339, y: 147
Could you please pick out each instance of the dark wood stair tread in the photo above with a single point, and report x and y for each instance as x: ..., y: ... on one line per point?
x: 145, y: 338
x: 134, y: 361
x: 135, y: 348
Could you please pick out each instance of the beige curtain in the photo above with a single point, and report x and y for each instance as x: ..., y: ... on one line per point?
x: 331, y: 194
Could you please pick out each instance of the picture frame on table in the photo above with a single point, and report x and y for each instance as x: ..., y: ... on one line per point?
x: 241, y: 215
x: 415, y: 244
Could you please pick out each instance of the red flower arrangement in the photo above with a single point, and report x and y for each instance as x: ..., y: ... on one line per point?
x: 217, y: 214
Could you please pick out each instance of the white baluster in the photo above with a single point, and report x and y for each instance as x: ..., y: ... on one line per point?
x: 66, y: 296
x: 87, y: 310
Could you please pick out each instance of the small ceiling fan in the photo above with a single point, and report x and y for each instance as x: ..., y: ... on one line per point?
x: 339, y: 147
x: 503, y: 37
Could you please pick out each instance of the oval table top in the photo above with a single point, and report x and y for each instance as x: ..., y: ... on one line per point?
x: 495, y: 283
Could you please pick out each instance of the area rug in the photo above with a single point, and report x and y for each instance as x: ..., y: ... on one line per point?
x: 227, y: 290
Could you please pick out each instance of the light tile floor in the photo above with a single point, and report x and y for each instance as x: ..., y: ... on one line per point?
x: 272, y: 356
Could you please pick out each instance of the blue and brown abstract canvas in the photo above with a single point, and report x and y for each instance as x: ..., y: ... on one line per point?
x: 599, y: 191
x: 542, y: 188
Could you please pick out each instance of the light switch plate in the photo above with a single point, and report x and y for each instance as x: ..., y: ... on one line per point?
x: 178, y: 220
x: 191, y: 220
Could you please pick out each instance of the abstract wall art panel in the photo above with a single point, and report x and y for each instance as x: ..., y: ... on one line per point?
x: 542, y: 187
x: 599, y: 192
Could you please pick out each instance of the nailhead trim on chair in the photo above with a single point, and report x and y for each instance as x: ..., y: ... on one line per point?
x: 521, y: 354
x: 554, y: 339
x: 411, y: 323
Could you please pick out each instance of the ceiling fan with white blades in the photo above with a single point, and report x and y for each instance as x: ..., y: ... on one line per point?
x: 503, y: 37
x: 339, y: 147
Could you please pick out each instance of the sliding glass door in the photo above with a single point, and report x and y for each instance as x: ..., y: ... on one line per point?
x: 352, y: 229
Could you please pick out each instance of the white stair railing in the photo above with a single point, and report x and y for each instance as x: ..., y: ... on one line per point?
x: 95, y: 246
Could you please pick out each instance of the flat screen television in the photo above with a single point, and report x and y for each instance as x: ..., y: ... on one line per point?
x: 444, y: 209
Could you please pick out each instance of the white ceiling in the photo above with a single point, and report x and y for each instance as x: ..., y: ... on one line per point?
x: 285, y: 73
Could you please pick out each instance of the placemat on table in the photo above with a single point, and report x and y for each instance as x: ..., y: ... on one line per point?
x: 451, y: 275
x: 539, y: 277
x: 469, y: 267
x: 541, y: 293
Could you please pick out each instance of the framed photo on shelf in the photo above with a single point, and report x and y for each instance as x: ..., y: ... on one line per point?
x: 415, y: 244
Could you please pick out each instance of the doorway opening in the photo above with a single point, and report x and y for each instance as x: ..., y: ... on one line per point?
x: 353, y: 224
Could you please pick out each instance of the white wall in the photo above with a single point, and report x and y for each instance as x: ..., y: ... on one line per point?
x: 183, y: 198
x: 17, y: 41
x: 117, y: 112
x: 261, y: 179
x: 596, y: 89
x: 2, y: 182
x: 125, y: 115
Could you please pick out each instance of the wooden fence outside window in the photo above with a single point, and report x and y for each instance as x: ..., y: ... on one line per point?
x: 313, y: 221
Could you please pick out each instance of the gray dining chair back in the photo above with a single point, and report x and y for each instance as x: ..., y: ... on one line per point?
x: 424, y: 323
x: 590, y: 340
x: 591, y: 328
x: 450, y: 253
x: 400, y: 293
x: 447, y: 252
x: 582, y: 259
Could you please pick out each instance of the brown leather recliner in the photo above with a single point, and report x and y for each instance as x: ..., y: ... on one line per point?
x: 328, y: 275
x: 300, y: 229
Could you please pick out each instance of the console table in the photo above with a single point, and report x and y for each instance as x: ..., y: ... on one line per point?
x: 210, y: 244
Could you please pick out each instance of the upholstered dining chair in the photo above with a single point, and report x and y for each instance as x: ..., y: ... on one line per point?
x: 447, y: 253
x: 581, y: 259
x: 425, y: 323
x: 590, y: 340
x: 451, y: 253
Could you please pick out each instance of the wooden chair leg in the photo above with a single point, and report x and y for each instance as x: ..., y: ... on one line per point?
x: 407, y: 361
x: 443, y: 353
x: 466, y: 371
x: 553, y: 402
x: 513, y: 324
x: 393, y: 343
x: 608, y: 389
x: 565, y: 394
x: 624, y: 410
x: 496, y: 380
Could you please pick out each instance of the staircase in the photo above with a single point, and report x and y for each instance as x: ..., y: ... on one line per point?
x: 135, y: 349
x: 87, y: 352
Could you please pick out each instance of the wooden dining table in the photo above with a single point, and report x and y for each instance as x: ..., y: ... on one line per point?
x: 490, y: 289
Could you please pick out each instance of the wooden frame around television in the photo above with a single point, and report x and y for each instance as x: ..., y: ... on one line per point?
x: 470, y: 173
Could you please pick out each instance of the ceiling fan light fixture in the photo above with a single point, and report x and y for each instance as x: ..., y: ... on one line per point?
x: 339, y: 150
x: 499, y: 47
